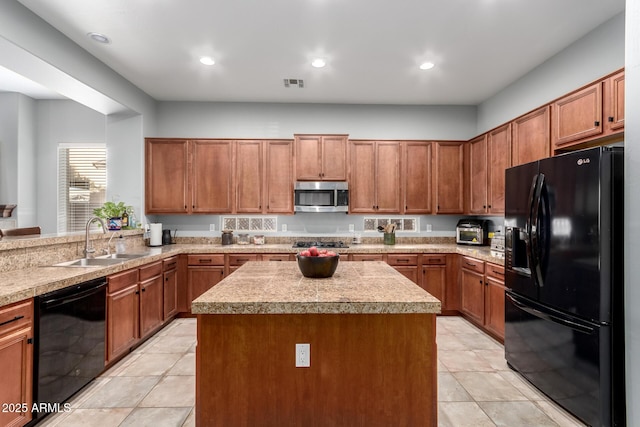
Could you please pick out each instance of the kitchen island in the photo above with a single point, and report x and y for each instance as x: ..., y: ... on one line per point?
x: 372, y: 348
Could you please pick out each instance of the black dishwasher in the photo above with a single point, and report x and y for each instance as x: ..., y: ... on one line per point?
x: 69, y: 343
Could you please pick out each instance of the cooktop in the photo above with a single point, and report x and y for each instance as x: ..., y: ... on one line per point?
x: 320, y: 244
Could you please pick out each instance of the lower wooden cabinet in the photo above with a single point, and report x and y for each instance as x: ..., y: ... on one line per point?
x: 151, y: 298
x: 406, y: 264
x: 16, y: 360
x: 434, y: 277
x: 482, y: 295
x: 237, y: 260
x: 170, y: 294
x: 203, y: 272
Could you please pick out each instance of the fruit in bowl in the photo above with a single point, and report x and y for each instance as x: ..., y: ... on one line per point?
x: 316, y: 263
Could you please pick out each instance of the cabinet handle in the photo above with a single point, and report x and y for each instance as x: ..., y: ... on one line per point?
x: 137, y: 292
x: 499, y: 273
x: 610, y: 119
x: 470, y: 264
x: 242, y: 260
x: 402, y: 260
x: 481, y: 281
x: 12, y: 320
x: 489, y: 206
x: 29, y: 340
x: 596, y: 123
x: 204, y: 261
x: 144, y: 289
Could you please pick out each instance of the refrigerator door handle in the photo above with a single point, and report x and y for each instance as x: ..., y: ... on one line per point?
x: 580, y: 327
x: 527, y: 234
x: 538, y: 216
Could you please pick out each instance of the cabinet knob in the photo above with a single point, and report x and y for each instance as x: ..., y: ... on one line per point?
x: 596, y: 123
x: 610, y: 119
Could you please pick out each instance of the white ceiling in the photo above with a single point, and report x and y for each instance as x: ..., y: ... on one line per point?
x: 372, y: 47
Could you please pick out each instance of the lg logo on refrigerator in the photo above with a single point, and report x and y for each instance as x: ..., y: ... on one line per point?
x: 583, y: 162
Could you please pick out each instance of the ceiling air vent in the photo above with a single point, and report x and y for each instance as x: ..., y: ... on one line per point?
x: 294, y: 82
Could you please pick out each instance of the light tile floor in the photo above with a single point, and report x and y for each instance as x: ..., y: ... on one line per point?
x: 155, y: 385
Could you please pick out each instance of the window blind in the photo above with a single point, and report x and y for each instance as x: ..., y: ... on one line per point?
x: 82, y: 184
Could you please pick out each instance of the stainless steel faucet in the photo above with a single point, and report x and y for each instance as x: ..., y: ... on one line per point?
x: 88, y: 247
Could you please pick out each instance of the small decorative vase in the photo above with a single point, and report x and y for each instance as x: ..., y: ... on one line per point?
x: 115, y: 223
x: 389, y: 238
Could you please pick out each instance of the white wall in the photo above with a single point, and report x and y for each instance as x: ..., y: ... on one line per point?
x: 632, y: 207
x: 9, y: 113
x: 60, y: 122
x: 597, y: 54
x: 266, y: 120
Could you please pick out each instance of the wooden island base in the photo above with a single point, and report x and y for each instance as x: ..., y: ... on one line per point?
x: 366, y: 370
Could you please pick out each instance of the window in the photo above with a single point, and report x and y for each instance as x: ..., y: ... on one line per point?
x: 82, y: 184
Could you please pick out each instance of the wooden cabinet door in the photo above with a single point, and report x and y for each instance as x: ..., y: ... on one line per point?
x: 434, y: 280
x: 321, y: 157
x: 249, y: 172
x: 278, y: 177
x: 212, y: 176
x: 472, y: 295
x: 201, y: 279
x: 362, y: 191
x: 478, y: 175
x: 166, y: 176
x: 449, y: 177
x: 531, y: 137
x: 122, y: 320
x: 334, y: 158
x: 577, y: 116
x: 409, y: 271
x: 614, y: 102
x: 170, y: 293
x: 494, y: 306
x: 16, y: 359
x: 308, y: 157
x: 388, y: 187
x: 417, y: 177
x: 151, y: 305
x: 498, y: 160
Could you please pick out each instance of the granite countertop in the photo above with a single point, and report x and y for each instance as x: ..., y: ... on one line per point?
x: 279, y: 288
x: 18, y: 285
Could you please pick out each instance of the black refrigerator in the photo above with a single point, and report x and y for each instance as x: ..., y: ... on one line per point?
x: 564, y: 320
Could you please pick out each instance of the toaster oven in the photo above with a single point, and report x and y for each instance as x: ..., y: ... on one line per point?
x: 472, y: 232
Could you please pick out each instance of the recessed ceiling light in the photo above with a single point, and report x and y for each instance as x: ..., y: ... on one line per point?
x: 318, y: 63
x: 207, y: 60
x: 427, y: 65
x: 100, y: 38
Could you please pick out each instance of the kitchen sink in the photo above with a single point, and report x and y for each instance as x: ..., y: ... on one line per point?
x: 102, y: 261
x: 90, y: 262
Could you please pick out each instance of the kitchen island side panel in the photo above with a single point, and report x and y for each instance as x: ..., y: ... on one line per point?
x: 366, y: 370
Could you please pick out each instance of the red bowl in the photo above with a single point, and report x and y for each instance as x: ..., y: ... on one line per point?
x: 316, y: 266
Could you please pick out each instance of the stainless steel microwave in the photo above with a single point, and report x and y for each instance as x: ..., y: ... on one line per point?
x: 321, y: 196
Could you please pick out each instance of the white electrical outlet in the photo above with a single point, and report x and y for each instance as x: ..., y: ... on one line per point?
x: 212, y: 227
x: 429, y: 228
x: 284, y: 227
x: 303, y: 355
x: 351, y: 228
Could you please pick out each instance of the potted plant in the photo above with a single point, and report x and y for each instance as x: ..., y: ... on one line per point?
x: 112, y: 213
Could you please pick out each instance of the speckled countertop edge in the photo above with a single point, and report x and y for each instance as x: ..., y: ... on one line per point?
x: 19, y: 285
x: 279, y: 288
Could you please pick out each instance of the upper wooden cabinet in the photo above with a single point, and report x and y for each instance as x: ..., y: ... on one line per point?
x: 417, y: 177
x: 212, y: 176
x: 614, y: 102
x: 166, y: 176
x: 264, y: 177
x: 375, y: 184
x: 449, y: 177
x: 498, y: 160
x: 183, y: 176
x: 321, y: 157
x: 531, y: 137
x: 592, y: 112
x: 278, y: 177
x: 478, y: 174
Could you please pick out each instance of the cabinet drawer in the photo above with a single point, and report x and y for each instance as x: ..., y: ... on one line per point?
x: 170, y: 263
x: 434, y: 259
x: 276, y: 257
x: 400, y: 259
x: 239, y: 259
x: 217, y: 259
x: 150, y: 270
x: 495, y: 271
x: 370, y: 257
x: 16, y: 315
x: 122, y: 280
x: 472, y: 264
